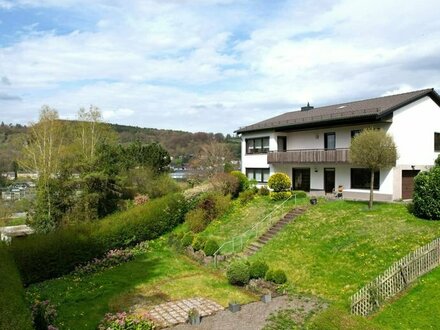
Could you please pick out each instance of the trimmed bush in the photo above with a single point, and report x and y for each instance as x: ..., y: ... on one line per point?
x: 14, y: 313
x: 276, y: 276
x: 238, y: 273
x: 264, y: 191
x: 197, y: 220
x: 426, y: 198
x: 280, y: 195
x: 279, y: 182
x: 243, y: 181
x: 299, y: 193
x: 258, y: 269
x: 246, y: 196
x: 199, y: 243
x: 187, y: 240
x: 40, y: 257
x: 211, y: 246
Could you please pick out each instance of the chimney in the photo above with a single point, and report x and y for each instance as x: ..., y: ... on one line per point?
x: 307, y: 107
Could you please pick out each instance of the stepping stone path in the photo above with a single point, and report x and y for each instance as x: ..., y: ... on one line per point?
x: 267, y: 236
x: 175, y: 312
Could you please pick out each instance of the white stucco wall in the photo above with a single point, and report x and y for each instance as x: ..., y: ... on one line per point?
x: 413, y: 130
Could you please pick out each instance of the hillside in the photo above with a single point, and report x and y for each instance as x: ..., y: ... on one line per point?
x: 180, y: 144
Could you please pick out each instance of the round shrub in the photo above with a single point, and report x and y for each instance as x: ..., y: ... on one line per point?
x: 187, y: 240
x: 238, y: 273
x: 276, y: 276
x: 198, y: 243
x: 299, y: 193
x: 280, y: 195
x: 264, y: 191
x: 279, y: 182
x: 211, y: 246
x: 246, y: 196
x: 258, y: 269
x: 243, y: 181
x: 196, y: 220
x: 426, y: 197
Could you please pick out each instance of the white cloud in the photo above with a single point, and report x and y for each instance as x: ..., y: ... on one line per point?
x: 217, y: 65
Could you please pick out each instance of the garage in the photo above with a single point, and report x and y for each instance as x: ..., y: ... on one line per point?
x: 408, y: 183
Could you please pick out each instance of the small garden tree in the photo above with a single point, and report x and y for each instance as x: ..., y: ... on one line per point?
x: 279, y: 182
x: 373, y: 149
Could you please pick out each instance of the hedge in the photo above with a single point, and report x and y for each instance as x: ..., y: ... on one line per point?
x: 43, y: 256
x: 14, y: 313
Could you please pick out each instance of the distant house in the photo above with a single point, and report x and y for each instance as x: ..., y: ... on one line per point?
x: 312, y: 145
x: 18, y: 191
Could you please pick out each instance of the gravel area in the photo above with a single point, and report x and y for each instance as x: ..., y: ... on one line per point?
x: 253, y: 316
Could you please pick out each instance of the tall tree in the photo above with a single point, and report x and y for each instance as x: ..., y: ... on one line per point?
x: 42, y: 153
x: 373, y: 149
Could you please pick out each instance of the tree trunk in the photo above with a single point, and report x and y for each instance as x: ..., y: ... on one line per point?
x: 370, y: 203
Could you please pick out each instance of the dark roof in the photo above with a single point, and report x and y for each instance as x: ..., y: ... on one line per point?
x: 357, y: 111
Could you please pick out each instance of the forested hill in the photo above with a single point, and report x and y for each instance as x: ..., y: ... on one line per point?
x: 181, y: 145
x: 178, y: 143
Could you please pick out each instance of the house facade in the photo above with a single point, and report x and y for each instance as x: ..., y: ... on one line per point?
x: 312, y: 145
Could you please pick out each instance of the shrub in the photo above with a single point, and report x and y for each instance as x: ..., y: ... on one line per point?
x: 226, y: 183
x: 279, y: 182
x: 258, y: 269
x: 14, y: 313
x: 299, y: 193
x: 214, y: 205
x: 277, y: 276
x: 264, y: 191
x: 197, y: 220
x: 238, y: 273
x: 124, y: 321
x: 211, y: 246
x: 187, y: 240
x: 243, y: 181
x: 198, y: 243
x: 246, y: 196
x: 280, y: 195
x: 62, y: 250
x: 427, y: 194
x: 44, y: 315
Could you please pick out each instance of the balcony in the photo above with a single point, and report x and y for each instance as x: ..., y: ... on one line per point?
x: 313, y: 156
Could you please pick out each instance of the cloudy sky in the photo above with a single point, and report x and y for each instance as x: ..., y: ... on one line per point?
x: 209, y: 65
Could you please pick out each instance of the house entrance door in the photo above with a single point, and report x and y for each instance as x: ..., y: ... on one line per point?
x: 329, y: 180
x: 301, y: 178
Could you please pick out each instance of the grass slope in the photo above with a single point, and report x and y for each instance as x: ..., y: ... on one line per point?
x: 240, y: 218
x: 150, y: 279
x: 337, y: 247
x: 417, y: 308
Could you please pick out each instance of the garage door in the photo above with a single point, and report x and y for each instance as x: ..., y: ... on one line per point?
x: 408, y: 183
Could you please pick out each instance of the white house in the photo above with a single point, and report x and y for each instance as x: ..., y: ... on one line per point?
x: 312, y: 145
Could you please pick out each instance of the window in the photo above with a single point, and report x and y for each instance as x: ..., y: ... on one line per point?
x: 330, y: 140
x: 259, y: 174
x: 257, y: 145
x: 360, y: 178
x: 437, y: 142
x: 355, y: 132
x: 282, y: 143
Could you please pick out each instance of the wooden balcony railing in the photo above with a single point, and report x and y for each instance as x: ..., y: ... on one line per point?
x: 335, y: 156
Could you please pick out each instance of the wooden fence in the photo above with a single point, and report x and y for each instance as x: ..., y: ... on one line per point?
x: 396, y: 278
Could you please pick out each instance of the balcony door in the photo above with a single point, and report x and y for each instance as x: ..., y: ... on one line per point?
x: 282, y: 143
x: 329, y: 179
x: 301, y: 178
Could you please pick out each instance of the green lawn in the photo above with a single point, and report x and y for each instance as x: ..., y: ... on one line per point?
x: 337, y: 247
x: 240, y: 218
x: 157, y: 276
x: 416, y: 308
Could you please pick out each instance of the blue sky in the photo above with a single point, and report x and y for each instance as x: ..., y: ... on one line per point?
x: 209, y: 65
